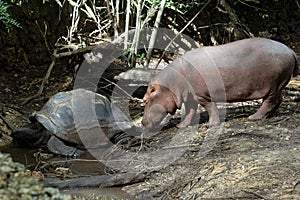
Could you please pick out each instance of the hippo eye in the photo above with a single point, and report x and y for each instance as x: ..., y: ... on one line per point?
x: 151, y: 89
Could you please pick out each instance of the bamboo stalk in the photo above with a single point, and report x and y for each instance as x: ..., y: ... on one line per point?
x: 154, y: 33
x: 134, y: 47
x: 117, y: 18
x: 127, y: 25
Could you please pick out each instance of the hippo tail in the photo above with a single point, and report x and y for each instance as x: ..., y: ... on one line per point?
x: 296, y: 67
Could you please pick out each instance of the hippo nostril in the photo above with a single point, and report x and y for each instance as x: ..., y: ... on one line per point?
x: 146, y: 123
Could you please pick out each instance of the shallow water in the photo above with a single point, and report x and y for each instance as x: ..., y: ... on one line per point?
x: 106, y: 193
x: 21, y: 155
x: 85, y: 166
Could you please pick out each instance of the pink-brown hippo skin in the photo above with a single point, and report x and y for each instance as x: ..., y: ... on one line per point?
x: 248, y: 69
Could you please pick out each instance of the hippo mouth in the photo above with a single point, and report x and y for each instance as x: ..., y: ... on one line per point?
x: 152, y: 125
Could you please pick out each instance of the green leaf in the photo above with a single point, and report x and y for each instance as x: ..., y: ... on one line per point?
x: 5, y: 17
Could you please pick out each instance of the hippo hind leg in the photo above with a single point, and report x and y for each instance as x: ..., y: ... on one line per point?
x: 268, y: 107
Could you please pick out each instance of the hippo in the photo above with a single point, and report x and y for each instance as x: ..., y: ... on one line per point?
x: 248, y: 69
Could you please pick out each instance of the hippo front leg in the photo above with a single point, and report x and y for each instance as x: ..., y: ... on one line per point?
x: 213, y: 113
x: 190, y: 109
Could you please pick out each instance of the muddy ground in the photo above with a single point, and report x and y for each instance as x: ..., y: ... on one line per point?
x: 250, y: 160
x: 240, y: 159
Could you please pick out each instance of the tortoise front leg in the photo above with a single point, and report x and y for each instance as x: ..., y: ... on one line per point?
x: 57, y: 146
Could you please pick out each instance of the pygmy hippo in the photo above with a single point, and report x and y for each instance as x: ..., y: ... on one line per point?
x: 239, y: 71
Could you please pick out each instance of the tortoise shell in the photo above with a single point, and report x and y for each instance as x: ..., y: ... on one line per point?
x: 80, y: 116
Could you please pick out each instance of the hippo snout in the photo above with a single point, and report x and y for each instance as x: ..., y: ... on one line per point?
x: 146, y: 123
x: 153, y: 115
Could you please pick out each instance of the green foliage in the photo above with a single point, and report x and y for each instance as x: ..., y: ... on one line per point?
x: 182, y: 6
x: 251, y: 1
x: 5, y: 17
x: 179, y: 6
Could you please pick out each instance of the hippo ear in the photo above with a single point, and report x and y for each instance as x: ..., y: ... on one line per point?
x: 152, y: 90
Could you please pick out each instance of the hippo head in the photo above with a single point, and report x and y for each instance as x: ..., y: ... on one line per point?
x: 159, y: 101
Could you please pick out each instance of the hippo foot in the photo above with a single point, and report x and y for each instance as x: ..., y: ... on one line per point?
x: 210, y: 124
x: 256, y: 116
x: 185, y: 124
x: 182, y: 125
x: 189, y: 120
x: 214, y: 122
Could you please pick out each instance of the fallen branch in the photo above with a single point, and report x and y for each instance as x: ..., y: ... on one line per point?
x: 99, y: 181
x: 74, y: 52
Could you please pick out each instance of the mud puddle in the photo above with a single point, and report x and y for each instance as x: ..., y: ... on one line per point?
x: 105, y: 193
x: 21, y: 155
x: 59, y: 168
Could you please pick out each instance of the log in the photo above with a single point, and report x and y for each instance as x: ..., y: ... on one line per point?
x: 98, y: 181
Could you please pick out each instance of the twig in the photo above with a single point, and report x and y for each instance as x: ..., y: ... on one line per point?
x: 181, y: 146
x: 206, y: 4
x: 43, y: 35
x: 21, y: 51
x: 254, y: 7
x: 296, y: 184
x: 131, y: 97
x: 138, y: 151
x: 211, y: 25
x: 19, y: 109
x: 255, y: 194
x: 11, y: 127
x: 45, y: 80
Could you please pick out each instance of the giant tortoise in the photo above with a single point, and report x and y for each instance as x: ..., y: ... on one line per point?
x: 73, y: 121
